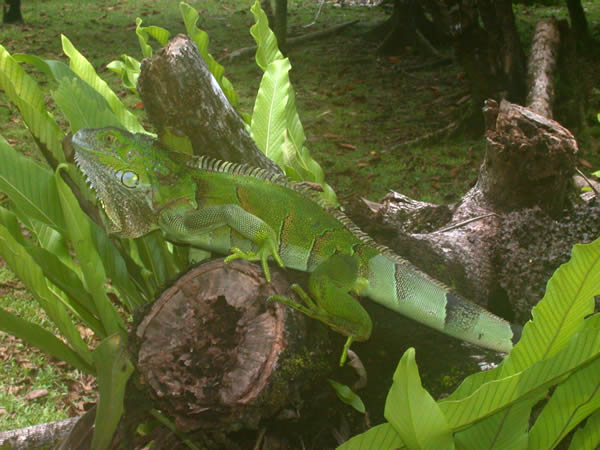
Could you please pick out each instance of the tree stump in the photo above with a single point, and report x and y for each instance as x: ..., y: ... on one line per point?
x: 216, y: 356
x: 493, y: 244
x: 182, y: 98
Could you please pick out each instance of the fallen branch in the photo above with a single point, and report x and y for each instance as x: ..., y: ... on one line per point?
x: 45, y: 434
x: 294, y: 41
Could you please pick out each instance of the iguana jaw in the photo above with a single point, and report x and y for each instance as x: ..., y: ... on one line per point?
x: 129, y: 211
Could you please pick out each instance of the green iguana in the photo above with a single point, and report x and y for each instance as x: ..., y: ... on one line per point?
x: 254, y: 214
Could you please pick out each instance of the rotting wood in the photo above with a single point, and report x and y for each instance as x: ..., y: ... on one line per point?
x: 216, y: 356
x: 525, y: 181
x: 181, y: 97
x: 541, y: 67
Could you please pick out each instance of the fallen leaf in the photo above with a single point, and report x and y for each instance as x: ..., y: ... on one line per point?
x: 348, y: 146
x: 36, y: 394
x: 585, y: 163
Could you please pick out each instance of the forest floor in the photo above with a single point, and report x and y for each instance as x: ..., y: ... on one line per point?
x: 357, y: 108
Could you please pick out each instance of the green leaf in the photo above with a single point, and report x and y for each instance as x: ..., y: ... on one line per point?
x: 145, y: 33
x: 413, y: 412
x: 24, y: 92
x: 82, y: 106
x: 190, y: 20
x: 572, y: 401
x: 348, y: 396
x: 86, y: 72
x: 154, y: 254
x: 30, y: 186
x: 583, y: 349
x: 269, y: 116
x: 129, y: 69
x: 382, y: 436
x: 267, y: 49
x: 24, y: 266
x: 80, y: 233
x: 114, y: 368
x: 559, y: 315
x: 507, y: 429
x: 35, y: 335
x: 588, y: 437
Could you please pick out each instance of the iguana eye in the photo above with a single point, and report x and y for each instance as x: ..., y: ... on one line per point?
x: 130, y: 179
x: 109, y: 138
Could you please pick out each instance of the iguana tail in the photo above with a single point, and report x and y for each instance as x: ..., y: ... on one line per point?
x: 398, y: 285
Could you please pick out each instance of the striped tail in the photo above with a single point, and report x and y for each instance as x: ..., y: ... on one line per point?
x: 399, y: 286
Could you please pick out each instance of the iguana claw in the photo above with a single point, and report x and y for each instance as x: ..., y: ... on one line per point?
x: 262, y: 255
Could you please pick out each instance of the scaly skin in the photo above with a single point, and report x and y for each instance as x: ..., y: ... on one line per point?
x: 253, y: 214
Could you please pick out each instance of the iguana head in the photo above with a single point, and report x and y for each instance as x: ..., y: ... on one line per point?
x: 132, y: 176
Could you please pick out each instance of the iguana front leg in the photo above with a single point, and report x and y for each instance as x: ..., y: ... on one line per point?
x: 187, y: 224
x: 330, y: 284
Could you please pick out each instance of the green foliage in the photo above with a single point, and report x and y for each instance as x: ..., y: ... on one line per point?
x: 348, y: 396
x: 275, y: 125
x: 559, y: 348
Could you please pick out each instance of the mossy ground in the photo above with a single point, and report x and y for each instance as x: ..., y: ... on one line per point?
x: 356, y: 106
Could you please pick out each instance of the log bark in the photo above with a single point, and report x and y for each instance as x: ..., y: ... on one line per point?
x: 216, y: 356
x: 541, y: 67
x: 36, y: 436
x: 493, y: 244
x: 182, y: 98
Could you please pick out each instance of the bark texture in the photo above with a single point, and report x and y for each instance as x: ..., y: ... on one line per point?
x: 542, y: 66
x: 493, y: 244
x: 216, y: 356
x: 36, y: 436
x: 182, y: 98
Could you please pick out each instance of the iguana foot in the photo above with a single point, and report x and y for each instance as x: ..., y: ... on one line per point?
x: 267, y: 249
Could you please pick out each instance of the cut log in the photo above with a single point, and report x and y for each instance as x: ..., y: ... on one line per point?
x: 541, y: 67
x: 36, y: 436
x: 523, y: 194
x: 182, y: 98
x: 216, y: 356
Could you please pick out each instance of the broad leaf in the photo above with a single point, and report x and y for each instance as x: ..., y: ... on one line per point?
x: 30, y: 186
x: 413, y: 412
x: 86, y: 72
x: 348, y: 396
x: 38, y: 337
x: 144, y: 34
x: 496, y: 395
x: 588, y: 437
x: 267, y: 49
x: 24, y: 92
x: 572, y: 401
x: 113, y: 368
x: 559, y: 315
x: 382, y: 436
x: 24, y: 266
x: 80, y: 233
x: 129, y: 70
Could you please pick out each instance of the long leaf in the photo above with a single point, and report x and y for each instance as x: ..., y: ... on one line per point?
x: 24, y: 92
x: 413, y: 412
x: 144, y: 34
x: 38, y: 337
x: 382, y: 436
x: 572, y: 401
x: 79, y: 228
x: 559, y: 315
x: 114, y: 369
x: 86, y: 72
x: 588, y: 437
x: 154, y: 253
x: 23, y: 265
x: 269, y: 116
x: 496, y: 395
x: 267, y: 49
x: 30, y: 186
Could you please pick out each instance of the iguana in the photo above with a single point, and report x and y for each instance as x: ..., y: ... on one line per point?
x: 256, y: 215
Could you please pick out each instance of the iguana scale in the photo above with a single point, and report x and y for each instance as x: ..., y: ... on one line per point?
x: 254, y: 214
